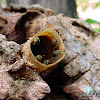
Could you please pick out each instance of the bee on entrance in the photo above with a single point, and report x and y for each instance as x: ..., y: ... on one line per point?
x: 47, y: 62
x: 55, y: 42
x: 39, y: 57
x: 56, y: 53
x: 36, y: 41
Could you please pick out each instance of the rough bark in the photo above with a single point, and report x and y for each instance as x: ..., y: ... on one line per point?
x: 17, y: 81
x: 77, y: 74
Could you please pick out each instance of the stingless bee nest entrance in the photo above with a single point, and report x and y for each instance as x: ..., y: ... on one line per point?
x: 44, y: 50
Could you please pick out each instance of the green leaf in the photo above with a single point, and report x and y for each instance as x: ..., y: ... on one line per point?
x: 97, y: 29
x: 97, y: 4
x: 90, y: 21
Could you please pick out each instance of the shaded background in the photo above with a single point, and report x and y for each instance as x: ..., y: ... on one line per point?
x: 87, y: 10
x: 68, y: 7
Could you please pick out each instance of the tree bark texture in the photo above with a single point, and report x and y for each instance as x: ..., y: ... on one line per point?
x: 27, y: 31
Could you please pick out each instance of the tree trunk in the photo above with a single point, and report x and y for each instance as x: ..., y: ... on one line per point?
x: 64, y: 51
x: 67, y: 7
x: 0, y: 6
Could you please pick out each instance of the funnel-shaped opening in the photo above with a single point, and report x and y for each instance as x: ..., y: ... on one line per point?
x: 44, y: 50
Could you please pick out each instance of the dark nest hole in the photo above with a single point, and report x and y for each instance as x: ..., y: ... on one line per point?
x: 19, y: 34
x: 56, y: 79
x: 45, y: 48
x: 21, y: 10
